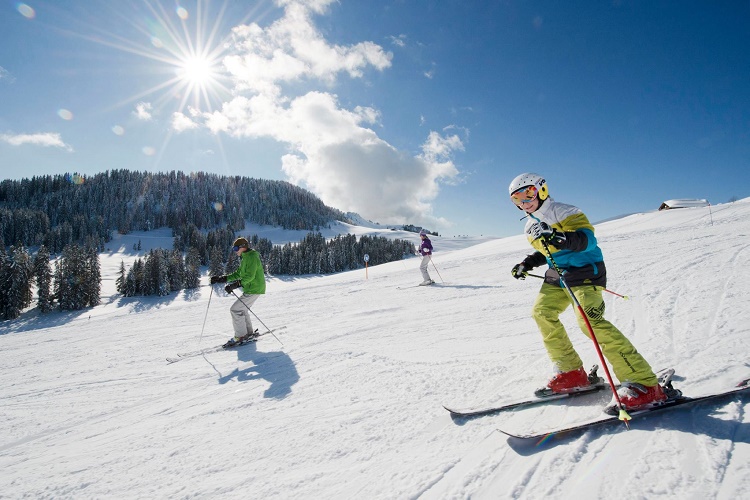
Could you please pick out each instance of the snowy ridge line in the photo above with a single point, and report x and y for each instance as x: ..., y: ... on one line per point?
x: 609, y: 420
x: 218, y: 348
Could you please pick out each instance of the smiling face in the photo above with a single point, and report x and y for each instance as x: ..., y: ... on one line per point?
x: 530, y: 206
x: 526, y: 198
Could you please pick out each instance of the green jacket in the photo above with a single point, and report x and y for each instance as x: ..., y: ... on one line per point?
x: 250, y: 274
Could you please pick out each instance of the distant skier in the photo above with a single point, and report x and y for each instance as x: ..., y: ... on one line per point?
x: 249, y: 275
x: 425, y: 250
x: 571, y: 241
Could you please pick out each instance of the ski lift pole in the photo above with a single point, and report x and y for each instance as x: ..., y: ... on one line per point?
x: 608, y: 291
x: 623, y: 414
x: 256, y: 317
x: 436, y: 269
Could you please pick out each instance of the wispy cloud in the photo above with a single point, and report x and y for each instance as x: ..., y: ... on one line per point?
x: 333, y: 150
x: 398, y: 41
x: 143, y: 111
x: 48, y: 139
x: 5, y: 76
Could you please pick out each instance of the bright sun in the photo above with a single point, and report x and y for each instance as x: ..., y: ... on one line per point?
x: 197, y: 71
x: 186, y: 45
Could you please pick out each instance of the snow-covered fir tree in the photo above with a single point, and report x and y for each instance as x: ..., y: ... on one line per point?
x: 74, y: 288
x: 16, y: 276
x: 192, y: 269
x: 93, y: 277
x: 43, y: 275
x: 176, y: 271
x: 121, y: 279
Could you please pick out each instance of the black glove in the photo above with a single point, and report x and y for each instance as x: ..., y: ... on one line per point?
x: 218, y: 279
x: 519, y: 271
x: 231, y: 286
x: 541, y: 230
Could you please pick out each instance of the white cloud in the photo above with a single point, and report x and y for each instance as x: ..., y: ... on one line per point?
x: 180, y: 122
x: 332, y: 150
x: 5, y: 75
x: 430, y: 73
x: 143, y: 111
x: 292, y: 49
x: 48, y: 139
x: 398, y: 41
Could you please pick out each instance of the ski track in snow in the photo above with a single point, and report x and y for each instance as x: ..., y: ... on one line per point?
x: 350, y: 406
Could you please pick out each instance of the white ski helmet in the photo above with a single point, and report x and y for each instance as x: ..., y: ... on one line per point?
x: 530, y: 179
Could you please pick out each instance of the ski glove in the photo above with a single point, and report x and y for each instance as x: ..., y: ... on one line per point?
x: 541, y: 230
x: 519, y: 271
x: 218, y: 279
x: 231, y: 286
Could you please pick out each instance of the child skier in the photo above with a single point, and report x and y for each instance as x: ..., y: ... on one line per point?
x: 425, y: 250
x: 249, y: 275
x: 571, y: 241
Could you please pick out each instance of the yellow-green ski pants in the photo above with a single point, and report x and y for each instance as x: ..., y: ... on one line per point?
x: 628, y: 365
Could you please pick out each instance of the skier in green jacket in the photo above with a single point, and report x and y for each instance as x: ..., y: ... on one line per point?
x: 249, y: 275
x: 566, y: 232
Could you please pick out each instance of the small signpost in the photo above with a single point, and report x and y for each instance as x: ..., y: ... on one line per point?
x: 367, y: 259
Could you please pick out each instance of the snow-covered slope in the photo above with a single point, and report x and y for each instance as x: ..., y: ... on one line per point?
x: 350, y: 406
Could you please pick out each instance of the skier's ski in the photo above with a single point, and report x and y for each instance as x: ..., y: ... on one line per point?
x: 415, y: 286
x: 597, y: 384
x: 677, y: 401
x: 183, y: 355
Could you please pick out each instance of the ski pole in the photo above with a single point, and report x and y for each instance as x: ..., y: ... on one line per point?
x: 256, y: 317
x: 608, y: 291
x: 623, y: 414
x: 436, y: 269
x: 206, y: 316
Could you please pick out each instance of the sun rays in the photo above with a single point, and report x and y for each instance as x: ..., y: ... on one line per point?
x: 182, y: 53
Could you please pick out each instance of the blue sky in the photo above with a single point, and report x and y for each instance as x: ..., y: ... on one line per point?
x: 405, y: 111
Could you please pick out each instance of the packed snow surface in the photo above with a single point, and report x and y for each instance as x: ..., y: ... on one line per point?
x: 348, y: 402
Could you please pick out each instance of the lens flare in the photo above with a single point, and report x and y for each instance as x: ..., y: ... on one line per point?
x: 26, y: 11
x: 76, y: 179
x: 65, y: 114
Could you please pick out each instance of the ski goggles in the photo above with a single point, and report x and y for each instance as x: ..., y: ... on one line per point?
x: 524, y: 195
x: 236, y: 248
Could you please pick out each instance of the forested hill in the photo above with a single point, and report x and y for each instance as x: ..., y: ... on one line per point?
x: 62, y: 209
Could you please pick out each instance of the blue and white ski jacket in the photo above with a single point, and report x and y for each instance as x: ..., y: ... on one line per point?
x: 580, y: 259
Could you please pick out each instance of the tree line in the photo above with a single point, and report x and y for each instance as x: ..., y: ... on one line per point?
x: 161, y: 272
x: 75, y: 281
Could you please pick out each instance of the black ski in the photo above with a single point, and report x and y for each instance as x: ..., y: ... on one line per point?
x: 597, y: 384
x: 677, y: 401
x: 183, y: 355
